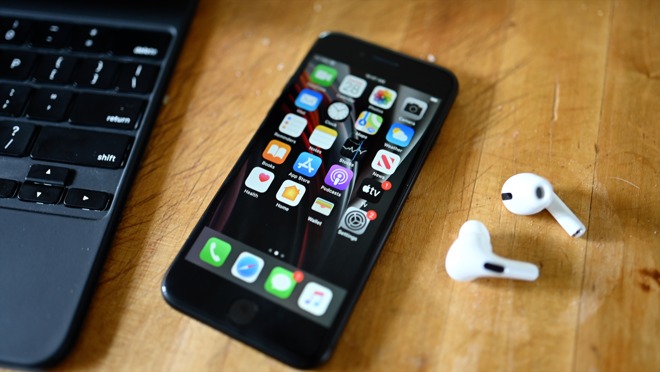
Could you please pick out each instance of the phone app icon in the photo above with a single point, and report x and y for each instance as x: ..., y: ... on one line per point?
x: 324, y: 75
x: 290, y: 193
x: 315, y: 298
x: 338, y: 177
x: 355, y: 221
x: 280, y: 283
x: 368, y: 122
x: 247, y: 267
x: 323, y: 206
x: 385, y: 162
x: 352, y: 86
x: 382, y: 97
x: 307, y: 164
x: 323, y: 137
x: 414, y: 108
x: 276, y: 151
x: 309, y: 100
x: 293, y: 125
x: 259, y: 179
x: 353, y: 149
x: 371, y: 190
x: 400, y: 135
x: 215, y: 252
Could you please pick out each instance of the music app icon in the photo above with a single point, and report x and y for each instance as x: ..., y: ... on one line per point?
x: 315, y: 299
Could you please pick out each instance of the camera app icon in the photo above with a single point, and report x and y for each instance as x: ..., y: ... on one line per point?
x: 414, y: 108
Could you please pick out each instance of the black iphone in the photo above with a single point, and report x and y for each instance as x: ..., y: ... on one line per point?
x: 283, y: 251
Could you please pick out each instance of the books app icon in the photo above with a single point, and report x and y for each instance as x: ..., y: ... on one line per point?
x: 276, y: 151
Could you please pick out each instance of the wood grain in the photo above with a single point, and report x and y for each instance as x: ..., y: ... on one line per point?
x: 566, y: 89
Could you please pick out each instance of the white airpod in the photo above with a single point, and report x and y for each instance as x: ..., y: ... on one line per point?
x: 527, y: 193
x: 471, y: 257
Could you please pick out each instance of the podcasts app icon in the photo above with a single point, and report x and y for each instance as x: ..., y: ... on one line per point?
x: 338, y: 177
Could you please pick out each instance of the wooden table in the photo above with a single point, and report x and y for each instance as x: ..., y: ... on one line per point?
x: 566, y: 89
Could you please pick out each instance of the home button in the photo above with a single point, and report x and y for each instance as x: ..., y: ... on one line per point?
x: 242, y: 312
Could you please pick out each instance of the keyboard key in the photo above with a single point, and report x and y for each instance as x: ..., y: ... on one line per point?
x: 13, y: 30
x: 106, y: 111
x: 12, y: 99
x: 91, y: 39
x: 146, y: 44
x: 7, y: 188
x: 54, y: 69
x: 137, y: 77
x: 15, y: 137
x: 16, y: 65
x: 50, y: 35
x: 44, y: 194
x: 86, y: 199
x: 95, y: 73
x: 49, y: 175
x: 49, y: 104
x: 104, y: 150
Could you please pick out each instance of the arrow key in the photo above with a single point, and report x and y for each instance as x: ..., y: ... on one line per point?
x: 86, y: 199
x: 43, y: 194
x: 49, y: 175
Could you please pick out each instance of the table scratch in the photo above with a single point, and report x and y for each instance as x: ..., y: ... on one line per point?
x: 626, y: 181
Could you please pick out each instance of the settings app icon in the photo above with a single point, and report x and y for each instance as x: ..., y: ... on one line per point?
x: 355, y: 220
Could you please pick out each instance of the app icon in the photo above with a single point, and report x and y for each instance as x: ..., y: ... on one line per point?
x: 368, y: 122
x: 400, y: 135
x: 290, y: 193
x: 324, y: 75
x: 307, y: 164
x: 323, y: 206
x: 315, y: 298
x: 215, y: 252
x: 338, y: 177
x: 280, y: 283
x: 259, y: 179
x: 352, y: 86
x: 338, y: 111
x: 353, y: 149
x: 414, y: 108
x: 385, y: 162
x: 370, y: 190
x: 382, y: 97
x: 355, y: 221
x: 323, y: 137
x: 247, y: 267
x: 293, y: 125
x: 276, y: 151
x: 309, y: 100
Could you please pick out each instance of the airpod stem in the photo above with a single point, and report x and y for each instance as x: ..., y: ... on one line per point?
x: 499, y: 267
x: 566, y: 218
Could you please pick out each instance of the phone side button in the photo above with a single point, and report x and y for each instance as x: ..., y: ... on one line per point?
x: 242, y: 312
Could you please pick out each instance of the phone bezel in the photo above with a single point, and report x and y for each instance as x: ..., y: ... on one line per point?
x: 302, y: 343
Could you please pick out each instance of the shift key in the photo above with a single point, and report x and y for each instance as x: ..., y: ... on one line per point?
x: 108, y: 111
x: 73, y: 146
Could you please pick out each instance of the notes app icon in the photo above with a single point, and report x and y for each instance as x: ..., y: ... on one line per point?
x: 323, y: 206
x: 276, y: 151
x: 323, y: 137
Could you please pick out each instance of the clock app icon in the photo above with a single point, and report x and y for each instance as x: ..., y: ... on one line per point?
x: 338, y: 111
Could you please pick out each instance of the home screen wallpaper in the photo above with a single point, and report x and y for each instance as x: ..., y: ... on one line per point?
x: 297, y: 221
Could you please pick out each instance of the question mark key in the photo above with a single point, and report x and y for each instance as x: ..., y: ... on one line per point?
x: 15, y: 138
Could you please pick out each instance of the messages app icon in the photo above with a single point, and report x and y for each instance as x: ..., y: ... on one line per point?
x: 280, y: 283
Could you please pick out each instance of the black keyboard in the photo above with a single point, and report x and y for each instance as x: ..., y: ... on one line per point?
x: 72, y: 98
